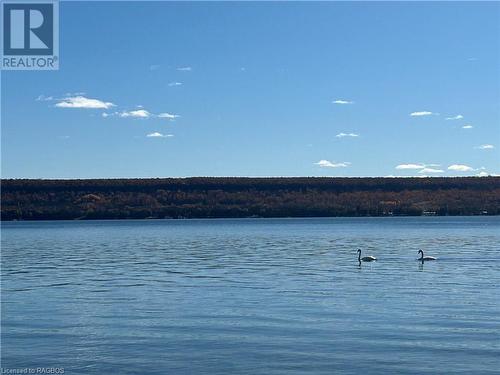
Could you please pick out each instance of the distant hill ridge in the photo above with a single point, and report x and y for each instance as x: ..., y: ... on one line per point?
x: 218, y: 197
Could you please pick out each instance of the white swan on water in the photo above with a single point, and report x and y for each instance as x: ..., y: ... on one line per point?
x: 368, y: 258
x: 423, y: 258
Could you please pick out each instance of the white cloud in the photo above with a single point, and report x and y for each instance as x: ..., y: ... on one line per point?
x: 487, y: 174
x: 431, y: 170
x: 185, y: 69
x: 154, y: 67
x: 422, y: 113
x: 139, y: 113
x: 44, y: 98
x: 341, y: 101
x: 486, y: 147
x: 167, y: 115
x: 80, y: 101
x: 83, y: 102
x: 172, y: 84
x: 467, y: 127
x: 460, y: 168
x: 329, y: 164
x: 457, y: 117
x: 342, y: 135
x: 159, y: 135
x: 68, y: 94
x: 410, y: 166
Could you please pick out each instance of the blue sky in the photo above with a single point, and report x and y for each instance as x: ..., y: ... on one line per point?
x: 260, y: 89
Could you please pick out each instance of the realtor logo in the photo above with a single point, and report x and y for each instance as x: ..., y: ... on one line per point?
x: 30, y: 39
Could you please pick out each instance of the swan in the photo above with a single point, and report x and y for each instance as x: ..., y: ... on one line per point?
x: 422, y: 257
x: 368, y: 258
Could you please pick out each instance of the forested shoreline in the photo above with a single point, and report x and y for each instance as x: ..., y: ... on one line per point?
x: 234, y: 197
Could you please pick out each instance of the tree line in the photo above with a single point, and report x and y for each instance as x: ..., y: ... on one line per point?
x: 211, y: 197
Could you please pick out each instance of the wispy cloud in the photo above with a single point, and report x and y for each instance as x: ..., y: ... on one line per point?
x: 74, y: 94
x: 457, y: 117
x: 184, y: 68
x: 154, y: 67
x: 422, y: 113
x: 173, y: 84
x: 342, y: 101
x: 329, y: 164
x: 467, y: 127
x: 44, y: 98
x: 77, y: 100
x: 342, y: 135
x: 460, y: 168
x: 430, y: 170
x: 410, y: 166
x: 139, y: 113
x: 486, y: 147
x: 167, y: 115
x: 159, y: 135
x: 83, y: 102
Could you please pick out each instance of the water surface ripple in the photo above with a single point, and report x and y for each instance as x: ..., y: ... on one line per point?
x: 252, y: 296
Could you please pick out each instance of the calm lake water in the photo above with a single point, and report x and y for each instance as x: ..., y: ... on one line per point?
x: 256, y: 296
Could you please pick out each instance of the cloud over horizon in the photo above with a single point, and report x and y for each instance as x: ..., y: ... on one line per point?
x: 460, y: 168
x: 487, y: 174
x: 431, y: 170
x: 410, y: 166
x: 328, y: 164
